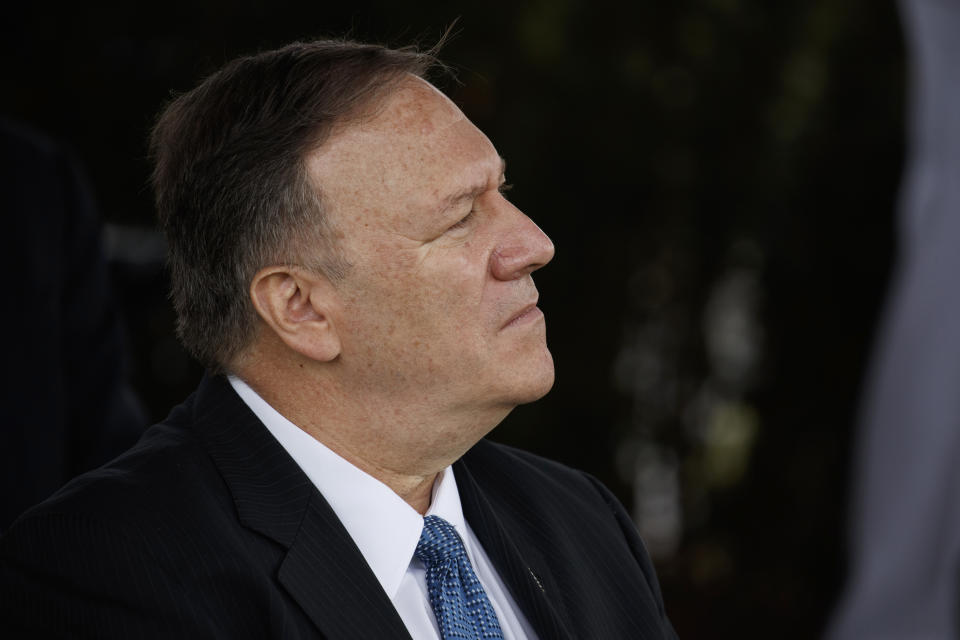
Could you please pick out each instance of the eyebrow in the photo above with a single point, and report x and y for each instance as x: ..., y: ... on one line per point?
x: 471, y: 192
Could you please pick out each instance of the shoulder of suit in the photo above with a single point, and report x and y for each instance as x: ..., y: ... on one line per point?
x: 520, y: 461
x: 520, y: 474
x: 167, y: 472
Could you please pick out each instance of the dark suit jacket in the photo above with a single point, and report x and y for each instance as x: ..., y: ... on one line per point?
x: 208, y: 529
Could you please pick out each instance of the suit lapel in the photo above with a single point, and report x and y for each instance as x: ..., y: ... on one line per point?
x: 520, y: 565
x: 323, y: 571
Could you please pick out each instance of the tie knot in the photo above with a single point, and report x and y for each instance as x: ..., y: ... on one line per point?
x: 439, y: 542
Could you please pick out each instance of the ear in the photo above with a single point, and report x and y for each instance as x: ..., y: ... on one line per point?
x: 295, y: 304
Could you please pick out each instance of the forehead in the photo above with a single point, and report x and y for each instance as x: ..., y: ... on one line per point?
x: 416, y: 148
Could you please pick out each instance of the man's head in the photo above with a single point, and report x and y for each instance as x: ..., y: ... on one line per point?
x: 231, y: 189
x: 406, y: 290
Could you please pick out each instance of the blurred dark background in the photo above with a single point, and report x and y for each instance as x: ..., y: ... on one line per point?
x: 719, y: 178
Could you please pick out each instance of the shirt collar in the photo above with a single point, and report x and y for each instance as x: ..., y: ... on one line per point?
x: 384, y: 527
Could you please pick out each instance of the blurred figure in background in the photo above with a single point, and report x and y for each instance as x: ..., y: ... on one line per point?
x: 65, y: 406
x: 905, y: 524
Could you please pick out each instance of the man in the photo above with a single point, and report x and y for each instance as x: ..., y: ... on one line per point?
x: 341, y: 250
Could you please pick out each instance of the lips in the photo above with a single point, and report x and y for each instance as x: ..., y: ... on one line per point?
x: 529, y: 313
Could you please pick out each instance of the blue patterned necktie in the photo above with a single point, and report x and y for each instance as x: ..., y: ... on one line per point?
x: 458, y: 600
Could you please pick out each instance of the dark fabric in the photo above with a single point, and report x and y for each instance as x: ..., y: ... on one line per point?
x: 208, y: 529
x: 64, y: 405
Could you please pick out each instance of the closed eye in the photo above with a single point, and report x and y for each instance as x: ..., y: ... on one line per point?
x: 465, y: 220
x: 462, y: 222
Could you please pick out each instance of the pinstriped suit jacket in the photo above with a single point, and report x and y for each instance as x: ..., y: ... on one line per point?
x: 208, y: 529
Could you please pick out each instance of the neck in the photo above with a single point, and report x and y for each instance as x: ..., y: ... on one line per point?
x: 394, y: 444
x: 414, y: 484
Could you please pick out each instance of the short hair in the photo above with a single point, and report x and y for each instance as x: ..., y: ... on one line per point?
x: 232, y: 192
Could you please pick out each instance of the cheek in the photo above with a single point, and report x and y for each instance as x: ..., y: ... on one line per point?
x: 433, y: 297
x: 455, y: 293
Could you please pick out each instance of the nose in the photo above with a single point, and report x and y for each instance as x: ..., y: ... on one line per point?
x: 523, y: 250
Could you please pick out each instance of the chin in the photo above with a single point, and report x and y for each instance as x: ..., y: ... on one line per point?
x: 538, y: 381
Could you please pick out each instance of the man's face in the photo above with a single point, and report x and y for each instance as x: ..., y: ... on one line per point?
x: 438, y: 308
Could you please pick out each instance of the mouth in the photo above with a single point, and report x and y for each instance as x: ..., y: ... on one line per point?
x: 526, y: 315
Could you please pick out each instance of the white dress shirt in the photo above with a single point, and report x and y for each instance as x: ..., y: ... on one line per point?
x: 386, y: 529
